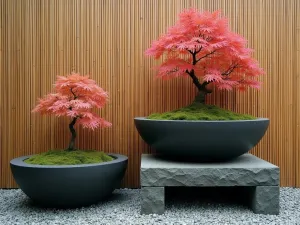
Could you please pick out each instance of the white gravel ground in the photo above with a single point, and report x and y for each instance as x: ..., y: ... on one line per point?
x: 124, y: 208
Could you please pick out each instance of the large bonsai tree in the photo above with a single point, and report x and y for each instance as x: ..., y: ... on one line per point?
x: 201, y: 46
x: 74, y: 97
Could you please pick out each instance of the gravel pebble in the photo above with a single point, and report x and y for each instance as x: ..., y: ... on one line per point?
x: 124, y: 209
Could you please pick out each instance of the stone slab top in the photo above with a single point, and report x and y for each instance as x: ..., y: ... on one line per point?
x: 244, y: 161
x: 246, y: 170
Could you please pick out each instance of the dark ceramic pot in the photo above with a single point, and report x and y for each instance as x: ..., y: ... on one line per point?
x: 202, y: 140
x: 69, y: 186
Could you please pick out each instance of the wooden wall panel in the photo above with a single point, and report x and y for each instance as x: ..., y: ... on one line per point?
x: 296, y: 95
x: 106, y: 39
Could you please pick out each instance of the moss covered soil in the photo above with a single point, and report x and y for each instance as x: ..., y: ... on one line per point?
x: 62, y: 157
x: 199, y: 111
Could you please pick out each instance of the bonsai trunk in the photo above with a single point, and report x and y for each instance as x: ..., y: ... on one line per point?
x: 202, y: 90
x: 73, y: 137
x: 200, y: 97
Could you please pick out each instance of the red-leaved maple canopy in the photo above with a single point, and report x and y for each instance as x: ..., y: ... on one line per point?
x: 200, y: 45
x: 75, y: 96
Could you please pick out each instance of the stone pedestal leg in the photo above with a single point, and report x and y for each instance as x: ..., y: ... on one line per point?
x: 152, y: 200
x: 265, y: 200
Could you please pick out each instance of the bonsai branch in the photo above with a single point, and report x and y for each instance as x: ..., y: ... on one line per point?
x: 200, y: 87
x: 73, y: 135
x: 190, y: 51
x: 199, y: 50
x: 195, y: 51
x: 202, y: 90
x: 230, y: 70
x: 73, y: 93
x: 208, y: 54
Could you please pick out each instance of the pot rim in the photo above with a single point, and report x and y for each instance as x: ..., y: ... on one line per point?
x: 203, y: 121
x: 20, y: 162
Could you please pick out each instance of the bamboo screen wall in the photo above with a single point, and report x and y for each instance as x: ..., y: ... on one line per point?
x: 106, y: 38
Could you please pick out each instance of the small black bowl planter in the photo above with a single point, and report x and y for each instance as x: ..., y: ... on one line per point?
x: 201, y: 140
x: 69, y: 186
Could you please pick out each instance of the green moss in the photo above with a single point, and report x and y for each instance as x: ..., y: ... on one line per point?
x: 199, y: 111
x: 61, y: 157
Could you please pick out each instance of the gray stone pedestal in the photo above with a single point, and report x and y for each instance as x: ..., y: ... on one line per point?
x: 260, y: 176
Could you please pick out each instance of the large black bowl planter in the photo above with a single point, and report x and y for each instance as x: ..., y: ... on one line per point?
x: 69, y: 185
x: 201, y: 140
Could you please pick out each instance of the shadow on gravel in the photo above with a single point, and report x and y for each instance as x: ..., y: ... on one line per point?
x: 203, y: 196
x: 28, y: 203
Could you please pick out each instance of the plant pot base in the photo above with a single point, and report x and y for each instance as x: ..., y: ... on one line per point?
x: 209, y: 141
x: 69, y: 186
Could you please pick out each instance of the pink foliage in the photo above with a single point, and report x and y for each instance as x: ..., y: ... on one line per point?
x: 201, y: 43
x: 75, y: 96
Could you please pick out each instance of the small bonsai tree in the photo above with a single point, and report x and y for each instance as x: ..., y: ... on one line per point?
x: 74, y: 97
x: 201, y: 46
